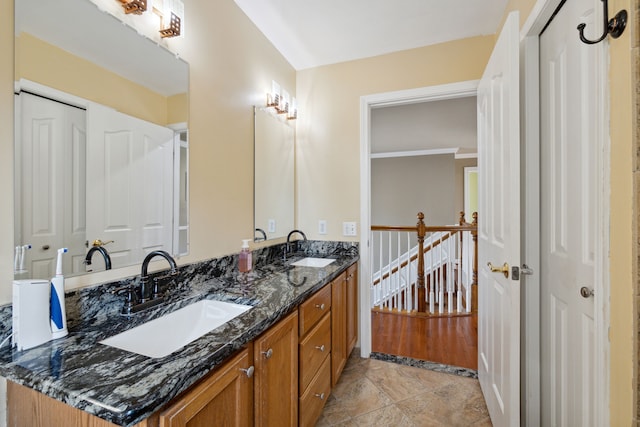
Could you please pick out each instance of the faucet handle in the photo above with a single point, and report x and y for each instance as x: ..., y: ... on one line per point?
x: 155, y: 289
x: 131, y: 298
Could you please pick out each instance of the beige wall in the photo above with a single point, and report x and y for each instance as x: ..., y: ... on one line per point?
x: 621, y: 263
x: 85, y: 79
x: 178, y: 109
x: 328, y: 130
x: 231, y: 68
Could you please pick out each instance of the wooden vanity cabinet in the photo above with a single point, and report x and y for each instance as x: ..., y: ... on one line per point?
x: 28, y: 407
x: 276, y: 374
x: 344, y: 319
x: 223, y: 398
x: 314, y: 355
x: 352, y: 307
x: 313, y: 399
x: 338, y: 327
x: 226, y: 398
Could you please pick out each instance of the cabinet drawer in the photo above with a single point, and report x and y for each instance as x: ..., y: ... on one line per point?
x: 314, y: 348
x: 314, y: 398
x: 314, y: 308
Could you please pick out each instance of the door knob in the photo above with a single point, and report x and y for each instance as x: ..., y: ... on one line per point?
x: 99, y: 242
x: 267, y: 354
x: 504, y: 269
x: 586, y: 292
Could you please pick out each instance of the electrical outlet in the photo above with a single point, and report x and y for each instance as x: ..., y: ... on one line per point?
x: 322, y: 226
x: 349, y: 229
x: 271, y: 225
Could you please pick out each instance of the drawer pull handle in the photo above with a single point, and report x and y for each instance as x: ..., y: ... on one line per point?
x: 319, y: 396
x: 267, y: 354
x: 320, y: 306
x: 249, y: 371
x: 320, y: 347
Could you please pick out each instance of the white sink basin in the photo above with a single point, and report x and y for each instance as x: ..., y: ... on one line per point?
x: 166, y: 334
x: 313, y: 262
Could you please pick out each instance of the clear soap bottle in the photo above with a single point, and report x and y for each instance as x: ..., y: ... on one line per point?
x: 244, y: 263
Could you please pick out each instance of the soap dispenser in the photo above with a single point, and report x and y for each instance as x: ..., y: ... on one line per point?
x: 244, y: 263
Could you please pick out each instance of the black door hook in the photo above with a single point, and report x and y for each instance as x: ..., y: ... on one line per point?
x: 615, y: 26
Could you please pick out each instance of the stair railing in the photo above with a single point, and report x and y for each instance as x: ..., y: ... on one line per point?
x: 434, y: 273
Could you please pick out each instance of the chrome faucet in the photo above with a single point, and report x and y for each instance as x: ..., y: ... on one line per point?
x: 144, y: 277
x: 287, y: 248
x: 103, y: 252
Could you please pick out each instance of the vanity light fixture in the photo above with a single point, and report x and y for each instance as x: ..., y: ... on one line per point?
x: 293, y: 110
x: 134, y: 6
x: 283, y: 108
x: 278, y: 99
x: 171, y: 14
x: 273, y: 97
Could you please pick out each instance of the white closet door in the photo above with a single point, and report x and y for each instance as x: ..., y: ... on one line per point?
x: 573, y: 86
x: 51, y: 161
x: 130, y: 187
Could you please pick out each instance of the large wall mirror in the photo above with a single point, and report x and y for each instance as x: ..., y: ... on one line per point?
x: 101, y: 150
x: 274, y: 175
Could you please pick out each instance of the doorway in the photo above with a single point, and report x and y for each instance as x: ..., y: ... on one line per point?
x: 434, y: 93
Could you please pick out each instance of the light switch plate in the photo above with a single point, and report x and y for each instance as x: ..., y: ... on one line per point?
x: 271, y: 225
x: 322, y: 226
x: 349, y: 229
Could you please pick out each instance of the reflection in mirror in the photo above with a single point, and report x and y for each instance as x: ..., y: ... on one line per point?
x: 274, y: 175
x: 101, y: 141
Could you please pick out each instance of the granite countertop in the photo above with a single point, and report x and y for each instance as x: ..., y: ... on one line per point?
x: 125, y: 388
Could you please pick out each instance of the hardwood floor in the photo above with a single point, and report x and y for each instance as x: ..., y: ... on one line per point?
x: 447, y: 340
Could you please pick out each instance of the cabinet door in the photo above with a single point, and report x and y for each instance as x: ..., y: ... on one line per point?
x: 276, y: 376
x: 352, y: 308
x: 224, y: 398
x: 338, y: 327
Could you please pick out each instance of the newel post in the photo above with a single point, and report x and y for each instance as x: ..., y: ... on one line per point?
x: 461, y: 221
x: 421, y: 229
x: 474, y: 234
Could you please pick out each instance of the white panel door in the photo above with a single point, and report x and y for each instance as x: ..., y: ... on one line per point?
x: 499, y: 229
x: 52, y: 178
x: 157, y: 187
x: 75, y: 218
x: 130, y: 185
x: 570, y: 100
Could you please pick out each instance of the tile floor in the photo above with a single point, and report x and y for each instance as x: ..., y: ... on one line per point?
x: 377, y: 393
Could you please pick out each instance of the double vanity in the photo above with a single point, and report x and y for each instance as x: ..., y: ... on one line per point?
x: 260, y: 348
